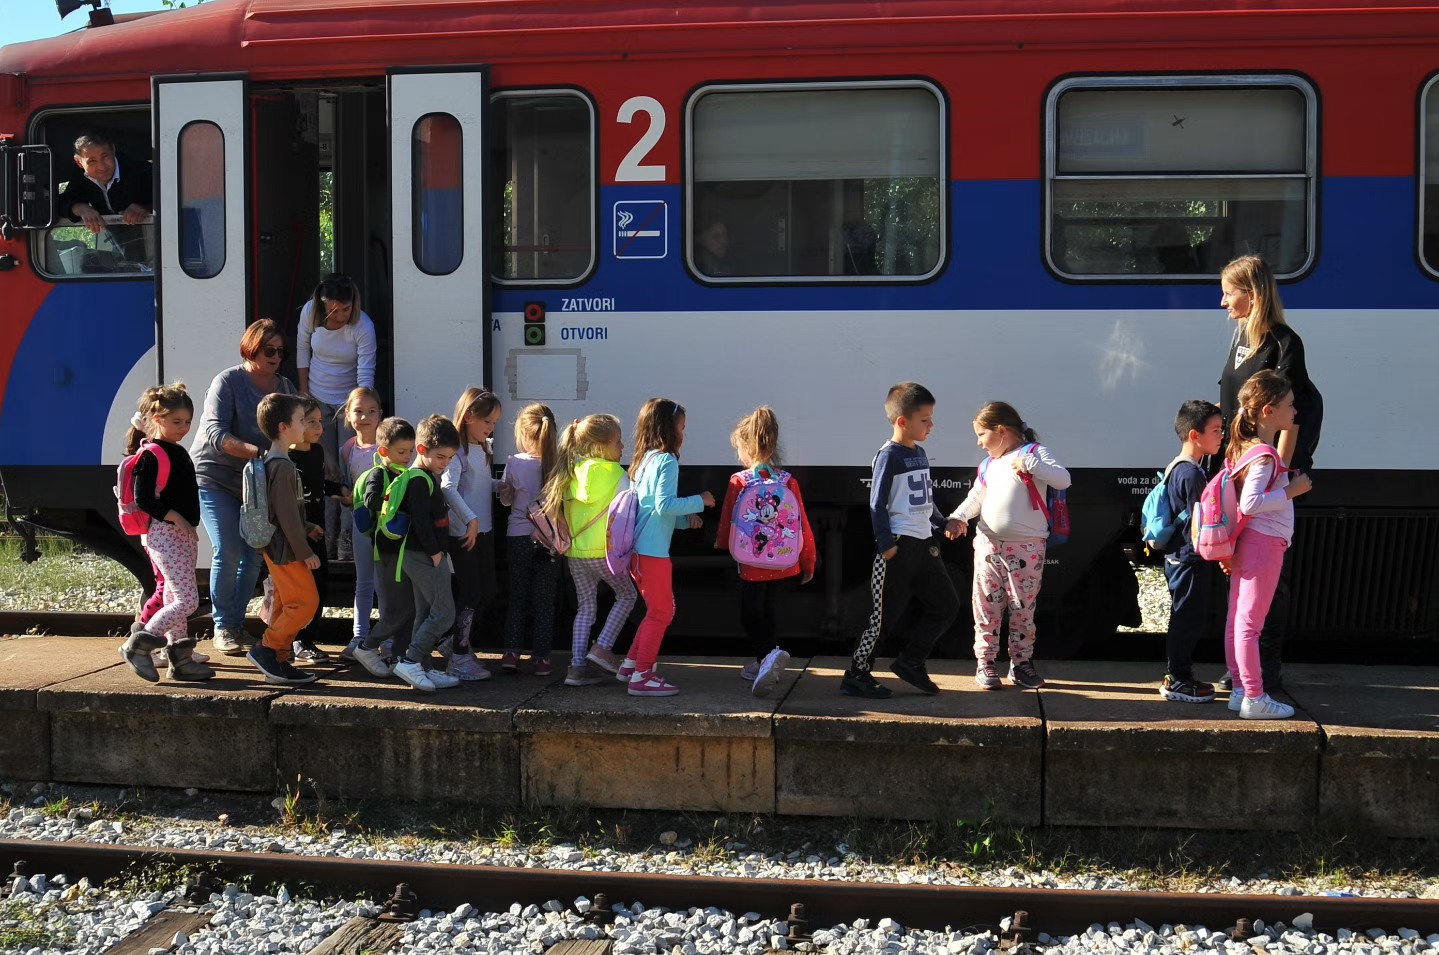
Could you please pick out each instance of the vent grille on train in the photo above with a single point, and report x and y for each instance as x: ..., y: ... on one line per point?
x: 1365, y: 572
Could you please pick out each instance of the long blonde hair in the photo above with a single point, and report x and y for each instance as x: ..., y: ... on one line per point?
x: 581, y: 439
x: 535, y: 427
x: 1251, y: 274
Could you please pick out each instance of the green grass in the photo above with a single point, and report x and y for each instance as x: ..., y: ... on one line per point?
x: 62, y: 570
x: 23, y: 927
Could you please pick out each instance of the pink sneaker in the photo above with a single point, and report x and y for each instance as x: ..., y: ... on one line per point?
x: 651, y: 683
x: 626, y: 670
x: 543, y: 667
x: 607, y: 660
x: 510, y: 662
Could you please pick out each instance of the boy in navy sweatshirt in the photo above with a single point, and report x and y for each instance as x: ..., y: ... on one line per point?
x: 906, y: 562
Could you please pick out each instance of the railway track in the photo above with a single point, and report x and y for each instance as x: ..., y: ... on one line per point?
x: 444, y: 887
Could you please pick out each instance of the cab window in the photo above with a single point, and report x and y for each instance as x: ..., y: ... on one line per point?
x: 69, y: 249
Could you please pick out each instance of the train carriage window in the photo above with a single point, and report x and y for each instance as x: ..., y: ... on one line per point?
x: 201, y: 187
x: 823, y: 181
x: 1175, y: 176
x: 70, y: 250
x: 438, y: 202
x: 1429, y: 177
x: 542, y: 157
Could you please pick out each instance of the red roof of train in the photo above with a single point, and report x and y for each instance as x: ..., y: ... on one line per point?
x: 280, y: 38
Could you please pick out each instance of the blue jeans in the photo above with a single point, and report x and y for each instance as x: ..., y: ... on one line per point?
x: 236, y: 565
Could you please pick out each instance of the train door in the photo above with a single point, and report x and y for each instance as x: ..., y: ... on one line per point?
x: 200, y: 147
x: 439, y: 252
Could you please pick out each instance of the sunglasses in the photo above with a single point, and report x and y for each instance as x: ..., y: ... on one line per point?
x: 272, y: 351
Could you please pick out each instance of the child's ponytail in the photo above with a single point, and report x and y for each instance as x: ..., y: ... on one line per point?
x: 160, y: 400
x: 1002, y: 414
x: 558, y: 481
x: 1266, y: 387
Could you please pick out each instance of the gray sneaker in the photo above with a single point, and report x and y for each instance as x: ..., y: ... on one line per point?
x: 986, y: 675
x: 229, y: 642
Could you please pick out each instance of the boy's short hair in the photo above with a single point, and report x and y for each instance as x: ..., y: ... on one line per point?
x: 392, y: 430
x: 311, y: 403
x: 274, y: 411
x: 905, y: 399
x: 1194, y: 415
x: 437, y: 431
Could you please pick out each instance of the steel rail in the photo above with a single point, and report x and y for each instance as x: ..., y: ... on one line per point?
x: 494, y: 888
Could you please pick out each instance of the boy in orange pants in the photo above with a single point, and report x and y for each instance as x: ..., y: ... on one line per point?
x: 288, y: 555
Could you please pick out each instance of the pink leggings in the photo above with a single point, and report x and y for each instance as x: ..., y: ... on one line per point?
x: 173, y: 551
x: 1253, y: 576
x: 655, y: 578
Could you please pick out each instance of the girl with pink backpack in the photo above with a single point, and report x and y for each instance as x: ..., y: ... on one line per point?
x: 1266, y: 510
x: 764, y: 525
x: 159, y: 496
x: 655, y: 473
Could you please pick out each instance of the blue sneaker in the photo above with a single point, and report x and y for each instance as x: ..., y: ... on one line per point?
x: 278, y: 672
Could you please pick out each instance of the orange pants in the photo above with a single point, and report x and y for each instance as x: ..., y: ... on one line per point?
x: 295, y: 604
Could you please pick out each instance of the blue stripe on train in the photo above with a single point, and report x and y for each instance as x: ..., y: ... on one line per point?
x: 1366, y: 260
x: 80, y: 346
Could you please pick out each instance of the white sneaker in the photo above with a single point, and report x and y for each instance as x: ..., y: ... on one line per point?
x: 372, y: 661
x: 1236, y: 699
x: 228, y: 643
x: 441, y: 679
x: 415, y: 675
x: 771, y: 668
x: 1265, y: 707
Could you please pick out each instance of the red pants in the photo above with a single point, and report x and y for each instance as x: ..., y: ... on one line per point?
x: 295, y: 604
x: 655, y: 578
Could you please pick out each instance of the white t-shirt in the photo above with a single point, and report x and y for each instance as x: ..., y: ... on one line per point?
x: 339, y: 360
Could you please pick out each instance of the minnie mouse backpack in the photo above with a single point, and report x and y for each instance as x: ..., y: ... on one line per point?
x: 1217, y: 523
x: 766, y: 528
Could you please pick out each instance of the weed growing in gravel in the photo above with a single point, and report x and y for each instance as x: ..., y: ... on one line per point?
x: 62, y: 570
x: 22, y: 927
x: 58, y: 809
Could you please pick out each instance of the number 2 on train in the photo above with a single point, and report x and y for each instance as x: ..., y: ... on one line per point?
x: 633, y: 167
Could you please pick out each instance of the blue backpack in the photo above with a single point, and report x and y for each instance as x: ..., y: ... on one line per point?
x: 1159, y: 526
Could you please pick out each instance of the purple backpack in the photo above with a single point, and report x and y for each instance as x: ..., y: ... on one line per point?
x: 622, y: 527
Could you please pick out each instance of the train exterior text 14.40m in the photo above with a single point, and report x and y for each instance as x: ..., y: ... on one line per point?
x: 786, y: 203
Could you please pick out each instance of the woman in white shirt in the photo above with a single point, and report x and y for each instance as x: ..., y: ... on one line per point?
x: 336, y: 354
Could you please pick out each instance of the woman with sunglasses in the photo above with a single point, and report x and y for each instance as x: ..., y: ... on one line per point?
x: 336, y: 350
x: 229, y: 436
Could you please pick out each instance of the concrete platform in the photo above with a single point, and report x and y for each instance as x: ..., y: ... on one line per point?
x: 963, y: 754
x: 354, y: 735
x: 709, y: 748
x: 29, y: 665
x: 1097, y: 746
x: 1118, y: 754
x: 1379, y: 769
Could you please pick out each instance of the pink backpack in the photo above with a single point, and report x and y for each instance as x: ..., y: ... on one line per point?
x: 1217, y: 523
x: 766, y: 528
x: 133, y: 520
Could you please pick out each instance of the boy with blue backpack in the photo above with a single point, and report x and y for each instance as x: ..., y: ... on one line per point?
x: 1167, y: 512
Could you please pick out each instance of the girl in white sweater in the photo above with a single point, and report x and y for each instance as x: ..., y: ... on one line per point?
x: 1008, y: 497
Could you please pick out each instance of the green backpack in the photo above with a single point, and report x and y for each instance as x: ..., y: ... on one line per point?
x: 390, y: 520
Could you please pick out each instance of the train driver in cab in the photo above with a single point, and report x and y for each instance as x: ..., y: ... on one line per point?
x: 106, y: 184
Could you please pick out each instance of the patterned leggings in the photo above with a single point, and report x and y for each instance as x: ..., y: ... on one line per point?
x: 1006, y: 575
x: 588, y: 572
x: 172, y: 549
